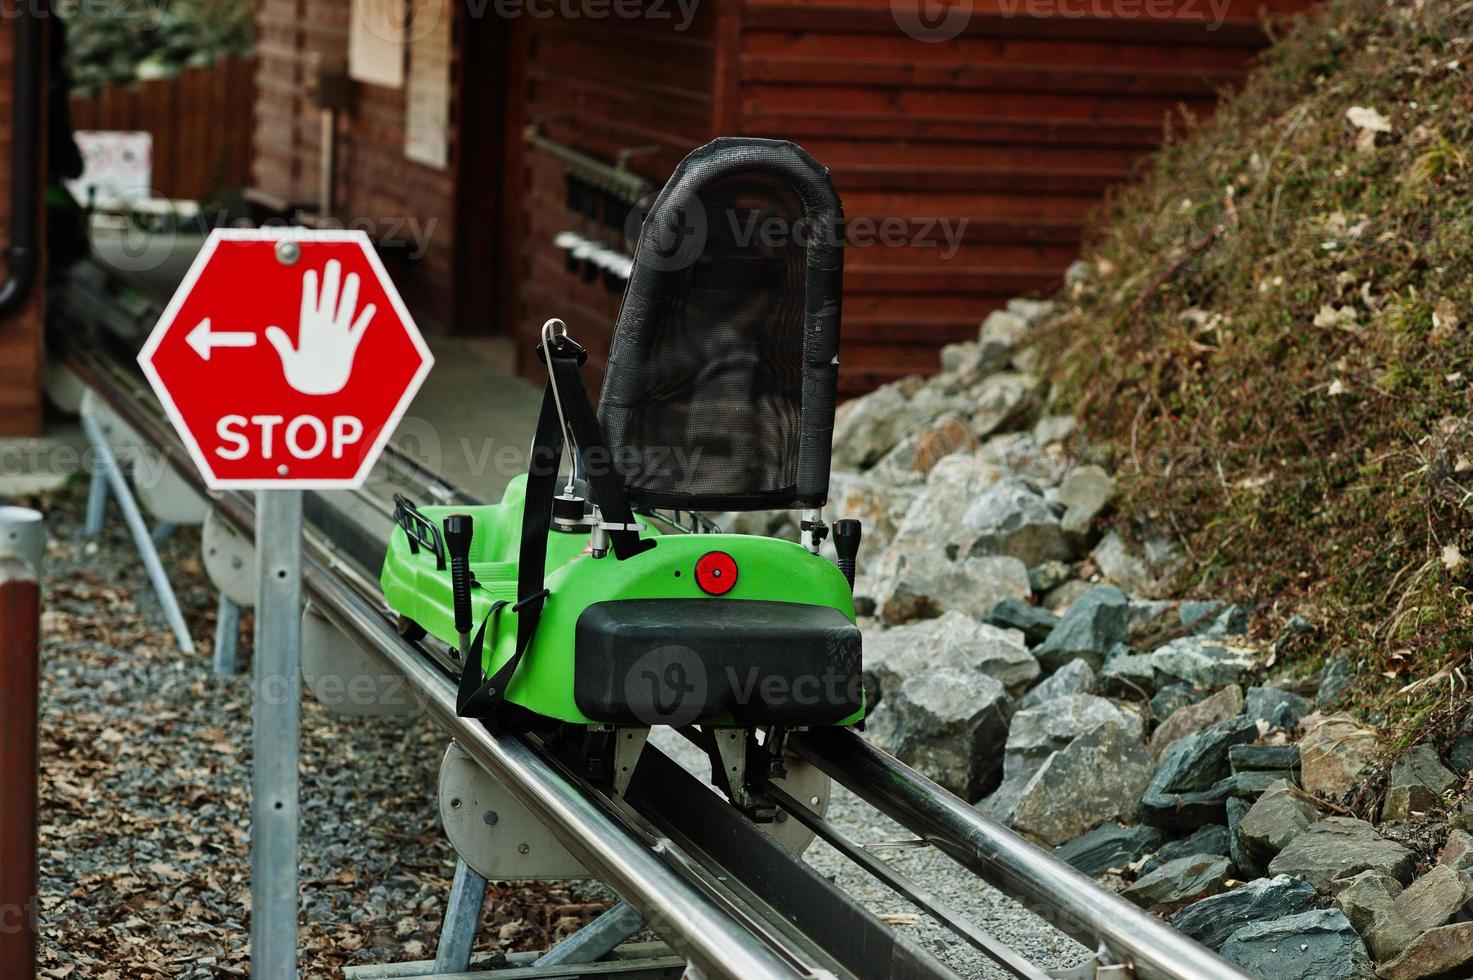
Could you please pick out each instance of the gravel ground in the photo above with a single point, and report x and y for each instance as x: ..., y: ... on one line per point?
x: 955, y: 886
x: 145, y: 782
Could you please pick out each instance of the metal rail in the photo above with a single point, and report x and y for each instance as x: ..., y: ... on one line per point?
x: 1025, y: 872
x: 654, y: 874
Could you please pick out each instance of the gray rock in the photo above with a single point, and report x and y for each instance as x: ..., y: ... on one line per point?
x: 1335, y: 755
x: 1281, y: 709
x: 1197, y: 613
x: 1270, y: 824
x: 1334, y: 679
x: 1009, y: 518
x: 1180, y: 882
x: 1460, y: 755
x: 1226, y: 703
x: 1098, y: 777
x: 923, y: 447
x: 1188, y: 790
x: 1049, y: 575
x: 1458, y: 851
x: 1075, y: 677
x: 1033, y: 311
x: 1017, y: 453
x: 1036, y: 733
x: 923, y: 585
x: 1060, y: 598
x: 1078, y: 273
x: 1170, y: 698
x: 1237, y: 808
x: 1366, y: 896
x: 1264, y: 758
x: 1083, y: 493
x: 1315, y: 945
x: 1051, y: 429
x: 1014, y: 613
x: 1110, y: 847
x: 1127, y: 675
x: 950, y: 724
x: 1092, y: 626
x: 1417, y: 783
x: 1211, y: 839
x: 1002, y: 401
x: 1427, y: 903
x: 954, y: 641
x: 1212, y: 920
x: 1229, y: 621
x: 999, y: 335
x: 870, y: 426
x: 1141, y: 575
x: 1002, y: 803
x: 1341, y: 847
x: 1444, y: 952
x: 1203, y: 662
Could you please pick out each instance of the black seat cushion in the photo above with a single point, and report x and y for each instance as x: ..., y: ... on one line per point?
x: 676, y: 661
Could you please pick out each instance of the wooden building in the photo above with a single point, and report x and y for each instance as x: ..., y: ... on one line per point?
x: 410, y: 118
x: 20, y: 158
x: 1010, y: 131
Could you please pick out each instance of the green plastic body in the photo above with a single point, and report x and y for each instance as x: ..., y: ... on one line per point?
x: 769, y: 568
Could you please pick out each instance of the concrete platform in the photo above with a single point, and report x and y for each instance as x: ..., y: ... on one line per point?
x: 36, y: 465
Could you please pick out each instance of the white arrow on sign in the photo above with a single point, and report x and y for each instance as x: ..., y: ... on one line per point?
x: 204, y: 340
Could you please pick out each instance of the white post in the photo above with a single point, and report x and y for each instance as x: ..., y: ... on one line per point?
x: 275, y: 731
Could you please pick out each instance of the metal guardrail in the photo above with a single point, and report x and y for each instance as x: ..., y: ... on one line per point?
x: 654, y: 874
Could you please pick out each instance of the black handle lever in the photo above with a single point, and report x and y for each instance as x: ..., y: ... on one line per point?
x: 459, y: 529
x: 847, y: 533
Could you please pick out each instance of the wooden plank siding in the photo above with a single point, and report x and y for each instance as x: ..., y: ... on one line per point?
x: 406, y: 207
x: 1017, y: 127
x: 21, y: 348
x: 200, y: 122
x: 601, y: 87
x: 1012, y: 131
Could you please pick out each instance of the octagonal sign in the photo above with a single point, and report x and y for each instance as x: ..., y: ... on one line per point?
x: 285, y: 359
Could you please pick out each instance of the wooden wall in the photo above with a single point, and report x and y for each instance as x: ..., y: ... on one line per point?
x: 20, y: 333
x: 599, y: 87
x: 200, y: 122
x: 1016, y: 126
x: 1011, y: 131
x: 377, y: 187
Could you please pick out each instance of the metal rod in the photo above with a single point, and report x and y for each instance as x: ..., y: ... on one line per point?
x: 107, y: 463
x: 992, y: 947
x: 227, y: 636
x: 624, y: 180
x: 20, y: 616
x: 462, y: 920
x: 597, y: 939
x: 275, y: 730
x: 1028, y: 874
x: 96, y: 502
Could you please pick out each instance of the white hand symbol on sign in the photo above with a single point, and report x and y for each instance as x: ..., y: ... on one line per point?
x: 327, y: 334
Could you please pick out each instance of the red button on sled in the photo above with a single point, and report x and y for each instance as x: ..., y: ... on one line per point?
x: 716, y: 572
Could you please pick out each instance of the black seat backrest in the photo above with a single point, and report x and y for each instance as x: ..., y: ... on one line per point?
x: 719, y: 390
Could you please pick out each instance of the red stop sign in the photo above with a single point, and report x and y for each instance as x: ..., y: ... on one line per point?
x: 286, y: 358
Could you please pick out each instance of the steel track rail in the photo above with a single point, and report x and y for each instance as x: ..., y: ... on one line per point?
x: 709, y: 929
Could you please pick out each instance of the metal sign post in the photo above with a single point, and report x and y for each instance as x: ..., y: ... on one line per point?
x: 275, y: 729
x: 285, y: 361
